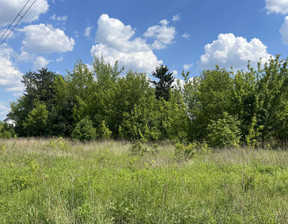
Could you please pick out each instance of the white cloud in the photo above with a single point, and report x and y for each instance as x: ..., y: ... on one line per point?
x: 277, y: 6
x: 281, y: 7
x: 87, y: 32
x: 10, y: 8
x: 175, y: 73
x: 10, y: 76
x: 24, y: 57
x: 176, y: 18
x: 59, y: 18
x: 114, y: 42
x: 46, y: 39
x: 4, y: 109
x: 178, y: 83
x: 59, y: 59
x: 229, y: 50
x: 8, y: 34
x: 186, y: 36
x: 40, y: 62
x: 163, y: 34
x: 284, y: 31
x: 187, y: 66
x: 164, y: 22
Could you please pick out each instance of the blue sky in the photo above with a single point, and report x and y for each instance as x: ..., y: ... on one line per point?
x: 182, y: 34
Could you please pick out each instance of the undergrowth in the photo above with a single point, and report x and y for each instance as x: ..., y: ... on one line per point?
x: 57, y: 181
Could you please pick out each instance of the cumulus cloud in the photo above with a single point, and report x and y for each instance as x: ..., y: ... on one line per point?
x: 10, y: 8
x: 284, y: 31
x: 40, y: 62
x: 277, y: 6
x: 10, y: 76
x: 163, y: 34
x: 115, y: 42
x: 46, y: 39
x: 24, y: 57
x: 229, y: 50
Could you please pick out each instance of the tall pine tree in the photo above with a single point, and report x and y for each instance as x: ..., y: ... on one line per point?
x: 164, y: 84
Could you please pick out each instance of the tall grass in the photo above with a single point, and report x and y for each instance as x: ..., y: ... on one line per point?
x: 57, y: 181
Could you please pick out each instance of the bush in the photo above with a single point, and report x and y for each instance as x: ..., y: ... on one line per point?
x: 84, y: 130
x: 138, y: 149
x: 188, y: 151
x: 6, y: 131
x: 224, y: 132
x: 105, y: 131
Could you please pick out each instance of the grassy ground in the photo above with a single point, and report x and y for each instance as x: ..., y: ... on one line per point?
x: 54, y: 181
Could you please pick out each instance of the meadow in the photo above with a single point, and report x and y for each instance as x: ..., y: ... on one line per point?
x: 58, y: 181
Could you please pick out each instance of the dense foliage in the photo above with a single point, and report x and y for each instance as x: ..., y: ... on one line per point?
x: 6, y: 130
x: 220, y: 107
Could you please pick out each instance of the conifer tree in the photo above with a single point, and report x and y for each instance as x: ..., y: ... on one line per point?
x: 164, y: 84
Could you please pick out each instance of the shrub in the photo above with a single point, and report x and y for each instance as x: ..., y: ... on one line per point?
x: 188, y: 151
x: 58, y: 143
x: 224, y: 132
x: 138, y: 149
x: 6, y: 131
x: 84, y: 130
x: 105, y: 131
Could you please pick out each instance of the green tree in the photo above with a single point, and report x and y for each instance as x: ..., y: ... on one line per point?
x: 129, y: 91
x: 38, y: 90
x: 81, y: 86
x: 174, y: 119
x: 272, y: 93
x: 61, y: 115
x: 224, y: 132
x: 164, y: 84
x: 84, y: 130
x: 143, y: 122
x: 246, y: 104
x: 213, y: 98
x: 92, y: 92
x: 36, y: 122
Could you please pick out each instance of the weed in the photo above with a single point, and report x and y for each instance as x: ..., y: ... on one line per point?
x: 186, y: 151
x: 2, y: 148
x: 59, y: 144
x: 138, y: 149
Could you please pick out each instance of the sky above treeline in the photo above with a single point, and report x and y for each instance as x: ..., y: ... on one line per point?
x: 185, y: 35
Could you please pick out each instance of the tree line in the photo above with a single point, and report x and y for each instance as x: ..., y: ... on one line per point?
x: 221, y: 107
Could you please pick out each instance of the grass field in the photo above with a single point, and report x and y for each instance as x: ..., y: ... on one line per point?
x: 55, y: 181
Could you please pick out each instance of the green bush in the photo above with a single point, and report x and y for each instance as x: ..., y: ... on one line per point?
x: 224, y: 132
x: 6, y: 131
x: 188, y: 151
x: 105, y: 131
x: 84, y: 130
x: 138, y: 149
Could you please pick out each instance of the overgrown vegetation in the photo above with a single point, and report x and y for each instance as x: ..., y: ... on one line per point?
x: 223, y: 108
x: 6, y: 131
x: 144, y: 180
x: 56, y: 181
